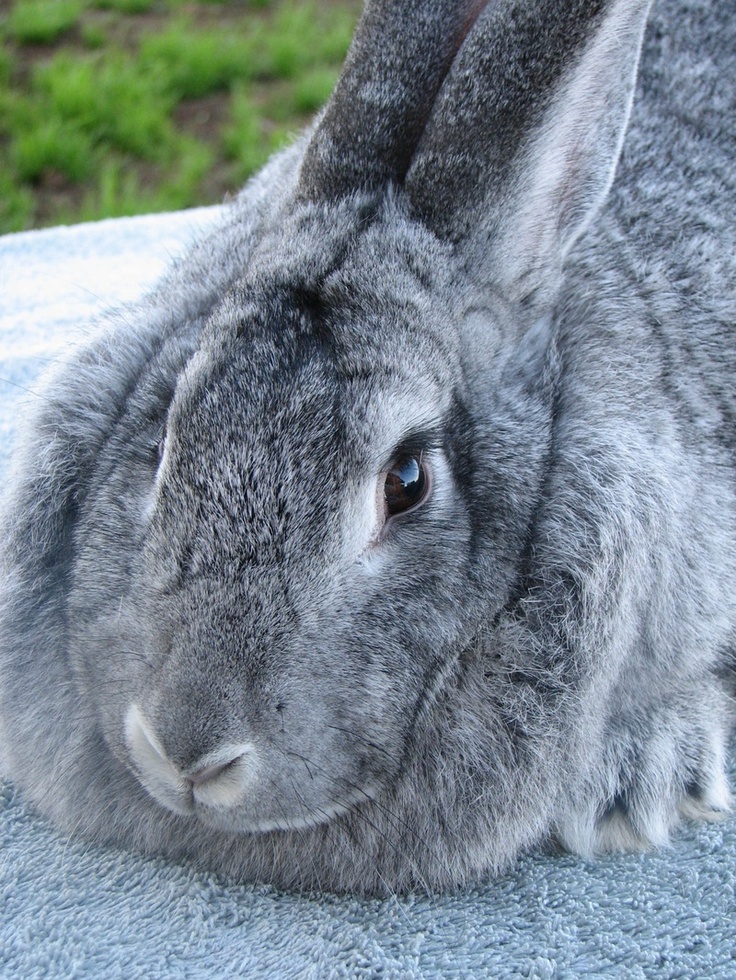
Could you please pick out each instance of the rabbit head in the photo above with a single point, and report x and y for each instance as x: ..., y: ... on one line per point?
x: 323, y: 526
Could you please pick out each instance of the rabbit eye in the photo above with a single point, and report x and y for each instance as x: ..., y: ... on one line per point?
x: 406, y: 486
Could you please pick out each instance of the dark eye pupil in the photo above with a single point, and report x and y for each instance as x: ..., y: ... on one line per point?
x: 406, y: 485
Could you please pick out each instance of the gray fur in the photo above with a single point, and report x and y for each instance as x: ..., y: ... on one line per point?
x: 544, y: 649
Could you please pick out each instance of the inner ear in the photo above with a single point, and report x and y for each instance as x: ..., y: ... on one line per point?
x: 568, y: 165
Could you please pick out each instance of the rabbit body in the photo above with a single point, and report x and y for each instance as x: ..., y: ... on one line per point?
x: 217, y: 642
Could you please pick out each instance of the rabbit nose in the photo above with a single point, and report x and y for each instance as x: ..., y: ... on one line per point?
x: 223, y: 778
x: 220, y: 779
x: 203, y: 775
x: 208, y: 773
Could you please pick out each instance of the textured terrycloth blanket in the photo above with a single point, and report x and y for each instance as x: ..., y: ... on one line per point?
x: 70, y: 909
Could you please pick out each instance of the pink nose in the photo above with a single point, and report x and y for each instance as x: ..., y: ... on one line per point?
x: 209, y: 772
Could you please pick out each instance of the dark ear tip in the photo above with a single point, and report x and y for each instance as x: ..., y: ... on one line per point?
x: 400, y: 55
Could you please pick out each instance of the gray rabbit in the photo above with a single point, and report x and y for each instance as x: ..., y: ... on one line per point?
x: 394, y: 533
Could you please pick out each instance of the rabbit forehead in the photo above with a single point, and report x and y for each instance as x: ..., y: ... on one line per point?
x: 353, y: 273
x: 365, y: 325
x: 277, y: 445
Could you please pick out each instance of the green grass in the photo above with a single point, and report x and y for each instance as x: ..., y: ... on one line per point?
x: 192, y: 64
x: 42, y: 21
x: 126, y: 6
x: 111, y: 107
x: 49, y: 145
x: 250, y: 137
x: 110, y: 100
x: 313, y: 89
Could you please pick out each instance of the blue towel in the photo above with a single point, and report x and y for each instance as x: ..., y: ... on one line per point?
x: 71, y: 909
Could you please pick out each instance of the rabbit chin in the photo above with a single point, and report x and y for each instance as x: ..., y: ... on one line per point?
x: 223, y: 788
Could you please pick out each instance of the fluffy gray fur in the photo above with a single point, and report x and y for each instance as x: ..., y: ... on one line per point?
x: 212, y: 645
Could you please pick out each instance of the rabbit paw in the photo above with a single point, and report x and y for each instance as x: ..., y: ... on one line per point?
x: 651, y: 776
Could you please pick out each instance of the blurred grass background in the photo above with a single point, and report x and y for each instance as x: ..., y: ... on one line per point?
x: 115, y: 107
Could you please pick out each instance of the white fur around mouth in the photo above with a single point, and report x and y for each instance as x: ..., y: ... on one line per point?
x: 233, y: 769
x: 314, y: 818
x: 219, y: 784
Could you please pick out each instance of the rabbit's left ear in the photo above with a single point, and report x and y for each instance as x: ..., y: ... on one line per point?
x: 522, y: 143
x: 397, y: 62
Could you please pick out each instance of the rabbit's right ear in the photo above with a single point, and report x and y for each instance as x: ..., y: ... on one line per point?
x: 521, y: 146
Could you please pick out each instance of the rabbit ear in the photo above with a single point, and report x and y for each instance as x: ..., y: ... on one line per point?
x: 400, y: 54
x: 522, y: 143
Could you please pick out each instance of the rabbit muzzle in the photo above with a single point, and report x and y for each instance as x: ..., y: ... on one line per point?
x: 248, y: 736
x: 253, y: 785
